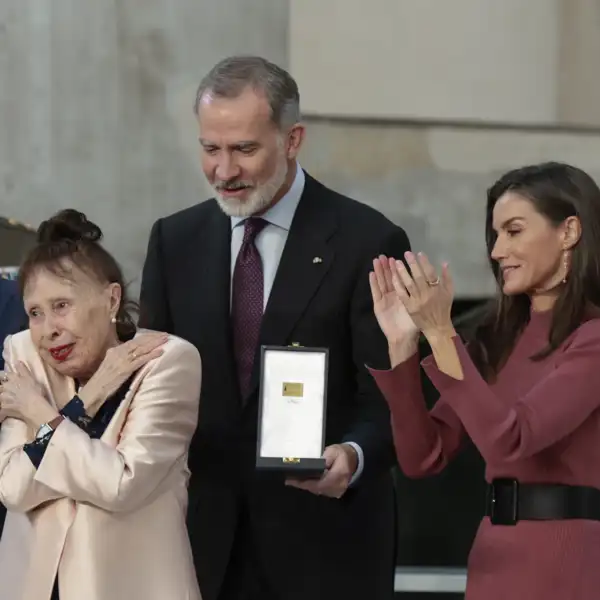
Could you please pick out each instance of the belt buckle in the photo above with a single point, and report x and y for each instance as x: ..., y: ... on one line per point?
x: 510, y: 516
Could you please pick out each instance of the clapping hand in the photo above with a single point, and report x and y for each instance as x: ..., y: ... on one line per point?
x: 392, y: 316
x: 407, y: 301
x: 426, y: 296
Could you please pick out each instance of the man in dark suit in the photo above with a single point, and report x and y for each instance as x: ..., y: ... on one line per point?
x: 12, y: 314
x: 276, y: 258
x: 12, y: 319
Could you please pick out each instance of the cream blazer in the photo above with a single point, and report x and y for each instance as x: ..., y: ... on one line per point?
x: 110, y: 514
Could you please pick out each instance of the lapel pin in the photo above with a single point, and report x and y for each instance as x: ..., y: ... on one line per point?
x: 317, y: 259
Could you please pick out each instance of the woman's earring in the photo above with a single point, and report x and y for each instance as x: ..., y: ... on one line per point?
x: 113, y: 320
x: 565, y: 266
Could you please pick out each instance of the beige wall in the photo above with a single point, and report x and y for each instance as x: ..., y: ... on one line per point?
x: 579, y: 67
x: 378, y: 85
x: 484, y: 60
x: 514, y: 61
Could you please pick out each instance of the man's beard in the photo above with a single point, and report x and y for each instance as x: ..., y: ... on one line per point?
x: 259, y: 199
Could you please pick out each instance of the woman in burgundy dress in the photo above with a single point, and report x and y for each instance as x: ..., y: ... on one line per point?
x: 525, y: 389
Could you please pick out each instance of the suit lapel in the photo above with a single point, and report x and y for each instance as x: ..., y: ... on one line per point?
x: 207, y: 273
x: 306, y: 258
x: 206, y: 288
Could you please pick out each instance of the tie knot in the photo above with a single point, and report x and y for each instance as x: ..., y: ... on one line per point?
x: 252, y: 227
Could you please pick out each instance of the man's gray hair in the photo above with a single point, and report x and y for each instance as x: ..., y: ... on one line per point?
x: 231, y: 76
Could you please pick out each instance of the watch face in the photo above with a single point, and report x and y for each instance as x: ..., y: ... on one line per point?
x: 45, y: 429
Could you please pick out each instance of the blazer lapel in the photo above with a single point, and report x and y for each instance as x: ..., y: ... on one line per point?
x: 306, y: 258
x: 203, y: 293
x: 112, y: 433
x: 206, y: 289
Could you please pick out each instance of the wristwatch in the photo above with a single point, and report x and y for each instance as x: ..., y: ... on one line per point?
x: 49, y: 427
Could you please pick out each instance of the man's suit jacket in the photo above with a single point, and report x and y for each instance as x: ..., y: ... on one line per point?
x: 109, y: 512
x: 12, y: 320
x: 12, y: 314
x: 311, y: 547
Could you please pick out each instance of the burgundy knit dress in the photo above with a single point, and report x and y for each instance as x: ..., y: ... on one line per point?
x: 538, y: 423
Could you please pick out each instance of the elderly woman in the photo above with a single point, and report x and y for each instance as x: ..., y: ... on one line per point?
x: 98, y: 419
x: 524, y: 389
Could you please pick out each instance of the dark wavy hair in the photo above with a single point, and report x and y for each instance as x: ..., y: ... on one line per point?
x: 557, y: 191
x: 69, y: 238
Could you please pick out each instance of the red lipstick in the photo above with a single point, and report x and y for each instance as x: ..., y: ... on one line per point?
x: 61, y: 353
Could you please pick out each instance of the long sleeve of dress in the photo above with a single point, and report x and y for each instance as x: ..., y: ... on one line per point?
x: 554, y: 408
x: 425, y: 441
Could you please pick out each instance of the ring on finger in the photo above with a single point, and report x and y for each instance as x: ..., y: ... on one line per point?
x: 436, y: 281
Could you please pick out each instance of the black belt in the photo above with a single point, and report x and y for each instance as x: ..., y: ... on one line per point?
x: 509, y: 501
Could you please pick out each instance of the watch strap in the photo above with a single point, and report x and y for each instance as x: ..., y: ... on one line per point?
x: 56, y: 421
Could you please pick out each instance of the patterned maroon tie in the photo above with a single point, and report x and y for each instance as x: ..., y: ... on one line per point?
x: 247, y: 302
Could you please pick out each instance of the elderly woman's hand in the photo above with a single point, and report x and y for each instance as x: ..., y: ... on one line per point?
x: 21, y: 397
x: 118, y: 365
